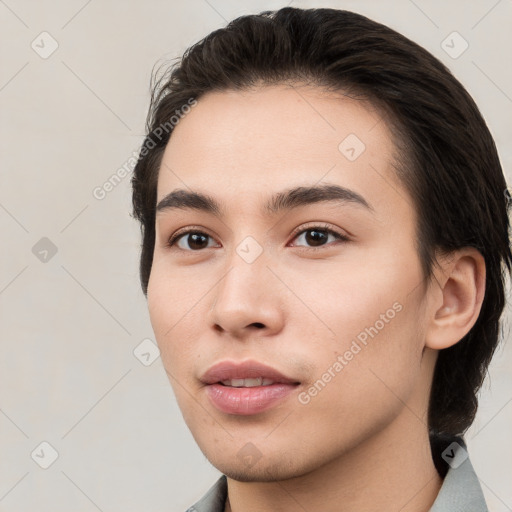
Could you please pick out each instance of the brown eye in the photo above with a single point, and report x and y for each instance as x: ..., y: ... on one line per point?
x: 318, y: 236
x: 190, y: 240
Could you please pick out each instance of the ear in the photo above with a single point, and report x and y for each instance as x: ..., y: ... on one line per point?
x: 456, y: 297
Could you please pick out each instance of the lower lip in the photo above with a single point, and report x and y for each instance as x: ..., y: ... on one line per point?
x: 246, y: 401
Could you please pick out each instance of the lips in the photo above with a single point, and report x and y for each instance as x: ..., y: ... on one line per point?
x: 227, y: 370
x: 246, y: 388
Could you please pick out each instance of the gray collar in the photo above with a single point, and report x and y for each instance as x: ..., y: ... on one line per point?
x: 461, y: 490
x: 214, y: 500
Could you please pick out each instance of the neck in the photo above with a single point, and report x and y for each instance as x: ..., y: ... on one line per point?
x: 392, y: 470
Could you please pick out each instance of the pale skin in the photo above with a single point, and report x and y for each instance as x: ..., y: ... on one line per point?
x: 361, y: 444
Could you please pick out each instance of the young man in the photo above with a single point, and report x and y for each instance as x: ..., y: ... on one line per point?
x: 325, y: 225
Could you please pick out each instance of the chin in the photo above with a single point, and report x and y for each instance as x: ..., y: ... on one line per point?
x: 242, y: 474
x: 262, y: 471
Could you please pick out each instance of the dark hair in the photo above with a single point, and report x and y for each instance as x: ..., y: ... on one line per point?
x: 448, y: 159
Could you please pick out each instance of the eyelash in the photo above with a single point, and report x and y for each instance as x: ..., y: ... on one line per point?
x: 323, y: 228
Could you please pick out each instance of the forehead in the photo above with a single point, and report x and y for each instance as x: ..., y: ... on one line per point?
x: 242, y: 145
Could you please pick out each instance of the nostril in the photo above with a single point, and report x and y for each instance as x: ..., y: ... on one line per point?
x: 258, y: 325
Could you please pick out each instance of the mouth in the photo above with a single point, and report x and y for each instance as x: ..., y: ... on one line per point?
x: 246, y: 388
x: 247, y: 373
x: 248, y: 383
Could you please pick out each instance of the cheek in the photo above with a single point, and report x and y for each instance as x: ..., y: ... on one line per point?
x: 170, y: 296
x: 168, y: 304
x: 374, y: 318
x: 360, y: 388
x: 380, y: 364
x: 177, y: 310
x: 363, y: 298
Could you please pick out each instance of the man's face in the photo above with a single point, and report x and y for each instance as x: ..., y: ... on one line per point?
x: 340, y: 315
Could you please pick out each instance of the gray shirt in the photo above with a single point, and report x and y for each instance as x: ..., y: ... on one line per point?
x: 460, y: 491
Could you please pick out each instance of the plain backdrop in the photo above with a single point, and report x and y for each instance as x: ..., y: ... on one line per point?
x: 74, y: 91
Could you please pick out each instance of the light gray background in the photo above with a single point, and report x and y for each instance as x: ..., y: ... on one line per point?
x: 68, y: 375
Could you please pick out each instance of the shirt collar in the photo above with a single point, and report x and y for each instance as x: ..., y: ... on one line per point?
x: 461, y: 490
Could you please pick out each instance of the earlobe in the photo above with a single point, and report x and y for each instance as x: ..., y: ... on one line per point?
x: 456, y: 303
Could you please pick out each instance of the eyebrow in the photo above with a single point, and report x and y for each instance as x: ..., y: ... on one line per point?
x: 279, y: 202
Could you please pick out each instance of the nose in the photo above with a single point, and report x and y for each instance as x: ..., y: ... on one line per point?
x: 247, y: 300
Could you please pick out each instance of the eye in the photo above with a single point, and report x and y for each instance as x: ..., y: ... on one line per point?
x: 318, y: 236
x: 195, y: 240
